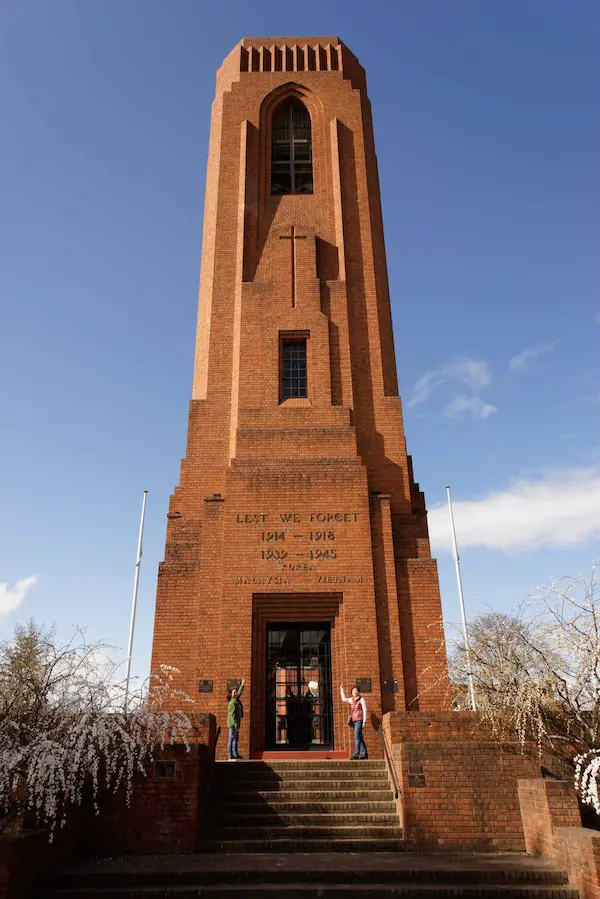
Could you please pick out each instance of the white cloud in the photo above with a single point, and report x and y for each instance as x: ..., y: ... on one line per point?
x: 559, y: 507
x: 11, y: 598
x: 474, y: 404
x: 472, y: 374
x: 523, y: 360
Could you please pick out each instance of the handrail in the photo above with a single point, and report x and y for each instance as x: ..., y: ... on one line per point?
x: 214, y: 752
x: 390, y: 761
x: 211, y: 772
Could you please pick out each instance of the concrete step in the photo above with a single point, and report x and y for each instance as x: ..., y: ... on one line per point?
x: 312, y: 874
x: 317, y: 765
x: 324, y: 890
x: 294, y: 845
x: 324, y: 806
x: 310, y: 831
x: 249, y: 812
x: 380, y: 868
x: 287, y: 795
x: 239, y: 771
x: 239, y: 785
x: 271, y: 818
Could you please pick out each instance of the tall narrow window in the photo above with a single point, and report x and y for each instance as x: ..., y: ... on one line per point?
x: 291, y: 150
x: 294, y: 373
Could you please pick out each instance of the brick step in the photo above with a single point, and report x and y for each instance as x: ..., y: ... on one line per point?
x: 287, y: 795
x: 310, y: 831
x: 290, y: 844
x: 258, y: 807
x: 271, y: 818
x: 238, y: 784
x: 315, y: 890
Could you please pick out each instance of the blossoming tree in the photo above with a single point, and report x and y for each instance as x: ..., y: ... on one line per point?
x: 63, y: 727
x: 536, y: 672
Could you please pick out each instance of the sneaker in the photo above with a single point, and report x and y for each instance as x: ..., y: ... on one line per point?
x: 239, y: 758
x: 231, y: 760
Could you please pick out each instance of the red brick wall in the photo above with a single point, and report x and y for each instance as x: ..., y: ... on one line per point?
x: 341, y: 451
x: 164, y: 812
x: 164, y: 816
x: 552, y: 826
x: 459, y: 790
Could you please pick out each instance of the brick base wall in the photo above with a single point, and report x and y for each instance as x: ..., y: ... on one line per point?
x: 164, y: 813
x: 21, y: 857
x: 164, y: 816
x: 552, y: 826
x: 459, y: 789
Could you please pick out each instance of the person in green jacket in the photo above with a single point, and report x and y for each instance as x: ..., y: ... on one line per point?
x: 234, y: 719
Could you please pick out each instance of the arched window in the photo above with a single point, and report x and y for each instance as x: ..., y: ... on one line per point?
x: 291, y: 150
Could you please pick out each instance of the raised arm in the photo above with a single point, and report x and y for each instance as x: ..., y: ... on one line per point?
x: 343, y: 695
x: 241, y: 688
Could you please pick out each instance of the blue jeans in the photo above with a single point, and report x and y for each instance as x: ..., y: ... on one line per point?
x: 359, y: 743
x: 232, y: 743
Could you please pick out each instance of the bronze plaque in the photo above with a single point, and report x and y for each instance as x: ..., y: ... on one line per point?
x: 364, y: 684
x: 205, y: 686
x: 417, y: 780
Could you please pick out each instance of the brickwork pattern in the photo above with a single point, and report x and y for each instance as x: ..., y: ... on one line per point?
x: 164, y: 816
x: 340, y: 452
x: 164, y: 813
x: 553, y: 830
x: 459, y: 790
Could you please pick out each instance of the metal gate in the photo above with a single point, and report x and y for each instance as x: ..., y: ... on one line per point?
x: 299, y: 696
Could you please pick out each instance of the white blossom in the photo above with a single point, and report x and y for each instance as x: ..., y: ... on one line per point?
x: 536, y: 674
x: 64, y: 733
x: 587, y: 778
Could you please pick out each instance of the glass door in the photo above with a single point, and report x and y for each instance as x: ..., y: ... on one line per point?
x: 299, y: 697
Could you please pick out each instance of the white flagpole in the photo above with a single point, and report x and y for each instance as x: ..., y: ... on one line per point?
x: 456, y: 558
x: 136, y: 580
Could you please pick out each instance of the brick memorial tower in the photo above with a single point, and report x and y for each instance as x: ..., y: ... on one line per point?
x: 297, y: 551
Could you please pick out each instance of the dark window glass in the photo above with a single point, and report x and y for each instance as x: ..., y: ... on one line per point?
x: 295, y: 375
x: 291, y: 151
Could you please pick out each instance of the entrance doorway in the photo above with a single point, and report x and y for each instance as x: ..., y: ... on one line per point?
x: 299, y: 713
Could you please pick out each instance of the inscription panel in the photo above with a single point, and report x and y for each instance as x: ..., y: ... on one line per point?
x: 298, y: 541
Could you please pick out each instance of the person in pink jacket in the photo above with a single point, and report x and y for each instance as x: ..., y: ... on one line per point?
x: 356, y: 719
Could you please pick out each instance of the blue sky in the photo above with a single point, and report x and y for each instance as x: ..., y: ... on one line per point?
x: 487, y: 132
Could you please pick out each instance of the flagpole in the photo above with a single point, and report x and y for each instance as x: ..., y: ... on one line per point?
x: 462, y: 603
x: 136, y: 581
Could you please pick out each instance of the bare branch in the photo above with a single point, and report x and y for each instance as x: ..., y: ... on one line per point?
x: 537, y: 673
x: 62, y: 724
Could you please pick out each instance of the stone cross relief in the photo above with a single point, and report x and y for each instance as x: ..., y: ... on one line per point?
x: 293, y: 237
